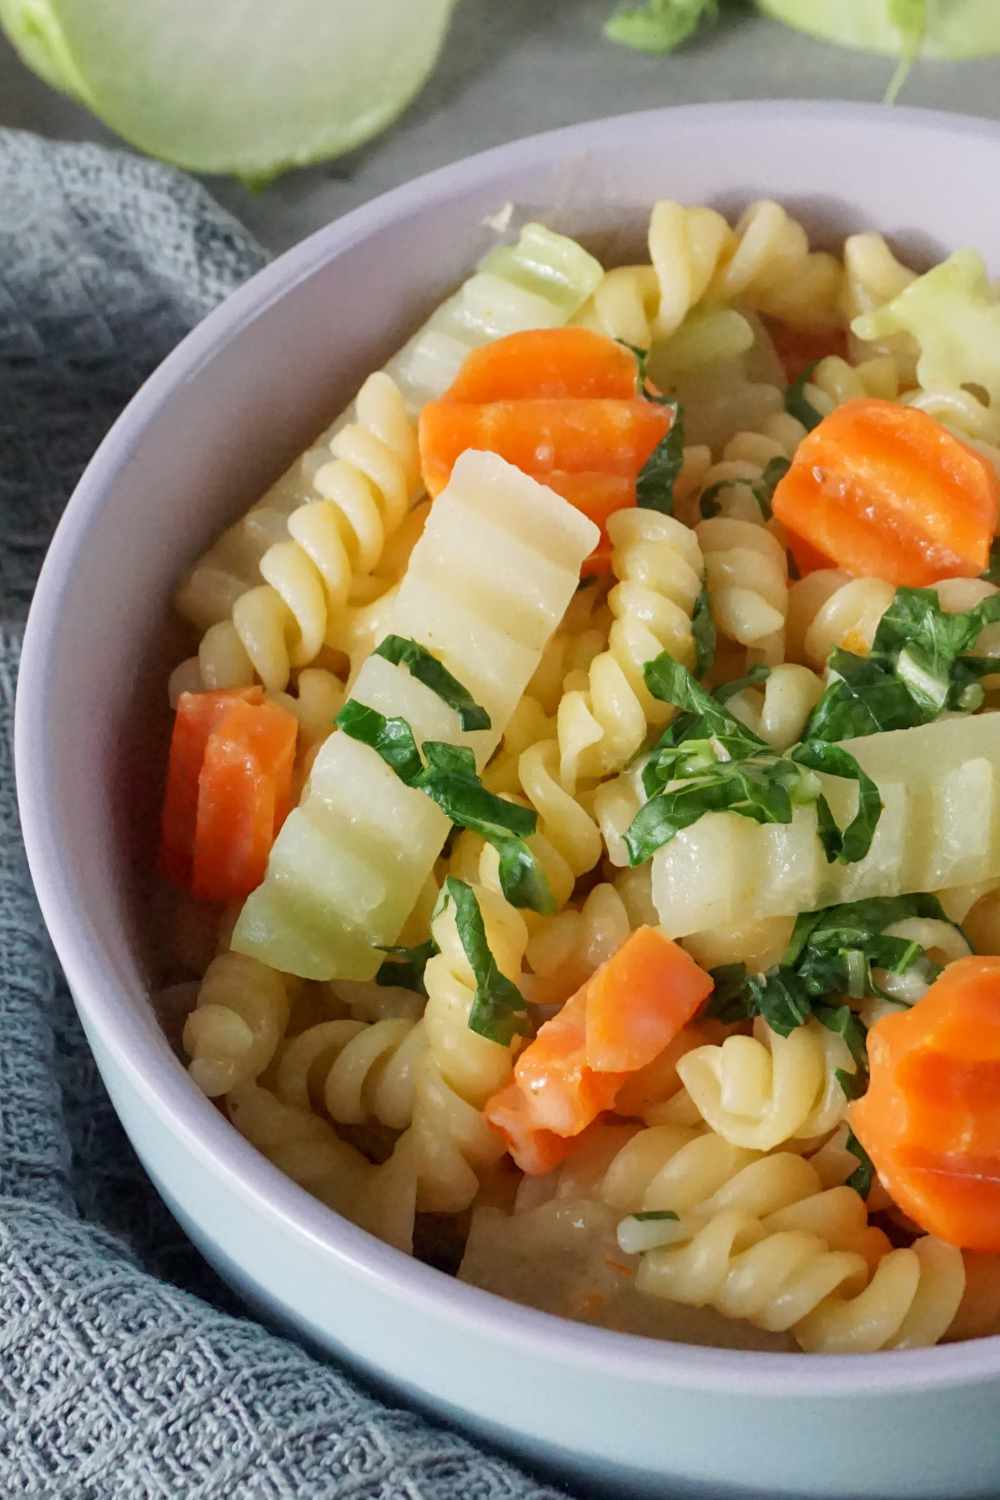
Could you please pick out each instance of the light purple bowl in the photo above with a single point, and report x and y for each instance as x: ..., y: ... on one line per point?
x: 204, y: 436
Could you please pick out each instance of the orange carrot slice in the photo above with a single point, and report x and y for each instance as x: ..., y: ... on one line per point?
x: 196, y: 717
x: 930, y: 1120
x: 629, y: 1010
x: 535, y: 1150
x: 886, y: 491
x: 546, y: 362
x: 244, y: 795
x: 562, y: 404
x: 639, y: 1000
x: 229, y: 787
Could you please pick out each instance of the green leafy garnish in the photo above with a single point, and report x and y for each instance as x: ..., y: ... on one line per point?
x: 917, y: 669
x: 404, y: 967
x: 708, y: 761
x: 850, y: 844
x: 391, y: 738
x: 703, y: 631
x: 658, y: 25
x: 764, y: 488
x: 450, y: 779
x: 862, y: 1177
x: 831, y: 953
x: 796, y: 403
x: 499, y: 1011
x: 425, y: 667
x: 654, y: 1215
x: 654, y: 488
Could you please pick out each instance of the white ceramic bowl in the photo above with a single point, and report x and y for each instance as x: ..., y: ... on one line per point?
x: 221, y: 417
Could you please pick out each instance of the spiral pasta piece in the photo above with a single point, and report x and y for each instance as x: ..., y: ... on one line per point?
x: 356, y: 1072
x: 746, y: 571
x: 829, y: 609
x: 759, y: 1091
x: 564, y: 950
x: 659, y: 565
x: 309, y: 1151
x: 238, y: 1020
x: 910, y: 1303
x: 770, y: 267
x: 779, y: 712
x: 449, y: 1145
x: 732, y: 1264
x: 729, y: 484
x: 872, y: 277
x: 833, y: 381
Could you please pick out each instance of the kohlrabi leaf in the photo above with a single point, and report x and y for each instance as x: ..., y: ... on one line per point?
x: 234, y: 85
x: 938, y: 28
x: 953, y: 312
x: 658, y: 25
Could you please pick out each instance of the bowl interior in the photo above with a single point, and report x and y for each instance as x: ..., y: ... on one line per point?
x: 248, y: 390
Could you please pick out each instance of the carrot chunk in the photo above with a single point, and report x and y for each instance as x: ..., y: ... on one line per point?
x: 629, y: 1010
x: 930, y: 1120
x: 639, y: 1000
x: 229, y: 788
x: 562, y: 404
x: 546, y: 362
x: 196, y: 717
x: 887, y: 491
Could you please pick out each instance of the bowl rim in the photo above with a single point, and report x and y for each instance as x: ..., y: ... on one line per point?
x: 161, y: 1081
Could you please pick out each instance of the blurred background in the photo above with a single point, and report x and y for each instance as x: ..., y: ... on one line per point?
x: 511, y: 67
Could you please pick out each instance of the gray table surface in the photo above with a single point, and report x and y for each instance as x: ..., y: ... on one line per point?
x: 511, y: 67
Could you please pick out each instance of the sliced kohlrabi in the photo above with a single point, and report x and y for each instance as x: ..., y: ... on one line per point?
x: 935, y: 28
x: 234, y: 85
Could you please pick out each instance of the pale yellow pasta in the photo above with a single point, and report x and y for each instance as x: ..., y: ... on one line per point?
x: 746, y: 572
x: 978, y: 1313
x: 741, y: 467
x: 779, y: 710
x: 759, y: 1091
x: 829, y: 609
x: 833, y: 381
x: 872, y: 277
x: 448, y: 1144
x: 659, y: 567
x: 238, y: 1020
x: 910, y: 1303
x: 565, y: 949
x: 355, y: 1072
x: 309, y: 1151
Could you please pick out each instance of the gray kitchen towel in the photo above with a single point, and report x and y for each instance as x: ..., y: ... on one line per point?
x: 126, y: 1369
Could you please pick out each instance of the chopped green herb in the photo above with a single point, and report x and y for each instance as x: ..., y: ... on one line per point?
x: 918, y: 668
x: 853, y: 1085
x: 796, y: 403
x: 403, y: 651
x: 708, y: 761
x: 404, y: 967
x: 703, y: 631
x: 450, y: 779
x: 852, y: 843
x: 654, y: 488
x: 392, y: 738
x: 830, y: 953
x: 861, y: 1179
x: 499, y: 1011
x: 653, y: 1215
x: 763, y: 490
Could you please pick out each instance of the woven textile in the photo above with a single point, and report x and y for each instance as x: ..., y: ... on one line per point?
x: 126, y: 1371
